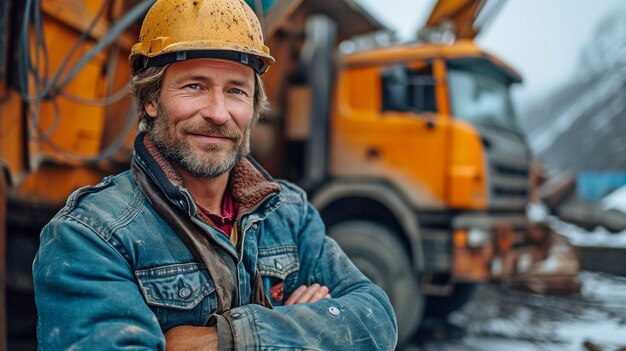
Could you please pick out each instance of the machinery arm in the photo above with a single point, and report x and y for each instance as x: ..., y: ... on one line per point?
x: 463, y: 18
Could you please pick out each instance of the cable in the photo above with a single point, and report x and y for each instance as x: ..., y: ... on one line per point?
x: 4, y: 36
x: 105, y: 101
x: 40, y: 46
x: 114, y: 32
x: 50, y: 88
x: 45, y: 90
x: 104, y: 155
x: 36, y: 133
x: 26, y: 68
x: 24, y: 51
x: 111, y: 97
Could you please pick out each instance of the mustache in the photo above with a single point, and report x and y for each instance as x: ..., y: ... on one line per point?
x: 212, y: 128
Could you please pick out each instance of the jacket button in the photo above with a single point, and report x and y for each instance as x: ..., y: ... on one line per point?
x: 235, y: 315
x: 279, y: 266
x: 255, y: 226
x: 334, y: 311
x: 184, y: 292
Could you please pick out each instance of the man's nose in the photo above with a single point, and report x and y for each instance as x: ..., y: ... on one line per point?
x: 215, y: 108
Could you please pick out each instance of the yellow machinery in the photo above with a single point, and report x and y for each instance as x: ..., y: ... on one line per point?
x: 66, y: 120
x: 410, y: 152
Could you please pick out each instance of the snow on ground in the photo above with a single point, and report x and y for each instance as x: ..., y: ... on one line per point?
x: 615, y: 200
x: 499, y: 318
x: 599, y: 237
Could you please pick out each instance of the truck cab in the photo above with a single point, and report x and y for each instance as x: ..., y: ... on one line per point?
x: 426, y: 161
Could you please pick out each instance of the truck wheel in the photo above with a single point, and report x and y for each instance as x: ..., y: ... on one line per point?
x: 378, y: 253
x: 442, y: 306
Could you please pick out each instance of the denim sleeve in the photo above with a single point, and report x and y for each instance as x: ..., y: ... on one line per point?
x: 86, y: 294
x: 359, y: 315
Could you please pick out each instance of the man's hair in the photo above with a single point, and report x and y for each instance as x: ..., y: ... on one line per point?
x: 146, y: 86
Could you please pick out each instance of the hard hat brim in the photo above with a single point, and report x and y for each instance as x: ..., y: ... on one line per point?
x: 259, y: 64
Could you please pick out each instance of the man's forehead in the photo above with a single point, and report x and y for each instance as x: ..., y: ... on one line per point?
x: 210, y: 67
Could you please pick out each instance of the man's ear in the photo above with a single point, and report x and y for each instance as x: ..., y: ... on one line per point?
x: 151, y: 108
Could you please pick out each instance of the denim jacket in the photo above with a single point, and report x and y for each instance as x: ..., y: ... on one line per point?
x: 110, y: 274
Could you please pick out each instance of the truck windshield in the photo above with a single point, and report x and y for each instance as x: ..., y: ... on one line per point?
x: 481, y: 97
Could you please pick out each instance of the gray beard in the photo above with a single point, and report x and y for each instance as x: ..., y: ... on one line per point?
x: 201, y: 167
x: 206, y: 165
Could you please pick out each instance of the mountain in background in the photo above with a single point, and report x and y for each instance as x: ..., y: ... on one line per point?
x: 582, y: 125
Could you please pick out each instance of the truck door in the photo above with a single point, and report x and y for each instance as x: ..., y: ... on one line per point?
x: 388, y: 127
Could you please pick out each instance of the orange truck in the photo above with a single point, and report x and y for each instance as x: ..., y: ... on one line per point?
x: 410, y: 152
x: 65, y: 121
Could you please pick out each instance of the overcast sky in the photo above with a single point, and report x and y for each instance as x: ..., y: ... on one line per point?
x: 541, y: 38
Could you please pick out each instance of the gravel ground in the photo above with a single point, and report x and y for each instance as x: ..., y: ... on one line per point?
x: 500, y: 318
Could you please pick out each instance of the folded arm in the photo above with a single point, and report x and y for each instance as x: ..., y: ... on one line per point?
x: 188, y: 338
x: 358, y: 316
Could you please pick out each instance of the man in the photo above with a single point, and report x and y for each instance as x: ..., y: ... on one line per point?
x: 196, y: 247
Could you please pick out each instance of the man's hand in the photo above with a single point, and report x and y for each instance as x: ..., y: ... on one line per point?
x: 190, y: 338
x: 186, y: 337
x: 305, y: 294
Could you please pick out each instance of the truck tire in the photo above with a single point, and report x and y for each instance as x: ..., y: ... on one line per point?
x: 442, y: 306
x: 378, y: 253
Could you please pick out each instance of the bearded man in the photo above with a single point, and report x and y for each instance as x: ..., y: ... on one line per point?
x: 196, y: 246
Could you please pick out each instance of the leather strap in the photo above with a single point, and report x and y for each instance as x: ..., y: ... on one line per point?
x: 220, y: 264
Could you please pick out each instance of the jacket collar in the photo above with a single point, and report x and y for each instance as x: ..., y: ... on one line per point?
x: 250, y: 183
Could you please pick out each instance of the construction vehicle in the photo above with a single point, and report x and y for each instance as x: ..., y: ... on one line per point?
x: 410, y: 152
x: 66, y: 120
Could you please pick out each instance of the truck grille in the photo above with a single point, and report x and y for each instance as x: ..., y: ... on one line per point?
x: 509, y: 170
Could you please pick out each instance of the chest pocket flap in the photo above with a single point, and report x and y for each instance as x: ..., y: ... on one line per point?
x: 278, y: 262
x: 180, y: 286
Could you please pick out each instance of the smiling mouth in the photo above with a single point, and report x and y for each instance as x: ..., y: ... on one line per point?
x: 210, y: 138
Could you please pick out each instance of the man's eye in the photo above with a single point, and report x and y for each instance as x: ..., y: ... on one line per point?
x: 237, y: 91
x: 193, y: 86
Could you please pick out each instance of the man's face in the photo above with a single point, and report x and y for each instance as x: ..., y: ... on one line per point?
x: 203, y: 116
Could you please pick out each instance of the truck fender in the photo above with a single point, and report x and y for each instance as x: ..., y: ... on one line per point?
x: 386, y: 196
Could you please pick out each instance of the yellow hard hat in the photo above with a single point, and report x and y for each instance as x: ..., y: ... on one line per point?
x: 177, y: 30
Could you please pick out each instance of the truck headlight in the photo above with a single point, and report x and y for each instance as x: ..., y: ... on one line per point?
x: 537, y: 212
x: 477, y: 237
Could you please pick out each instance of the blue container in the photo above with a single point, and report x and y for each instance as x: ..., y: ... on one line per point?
x: 593, y: 186
x: 267, y: 4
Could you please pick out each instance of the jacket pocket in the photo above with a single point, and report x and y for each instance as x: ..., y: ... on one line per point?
x: 178, y: 286
x: 278, y: 262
